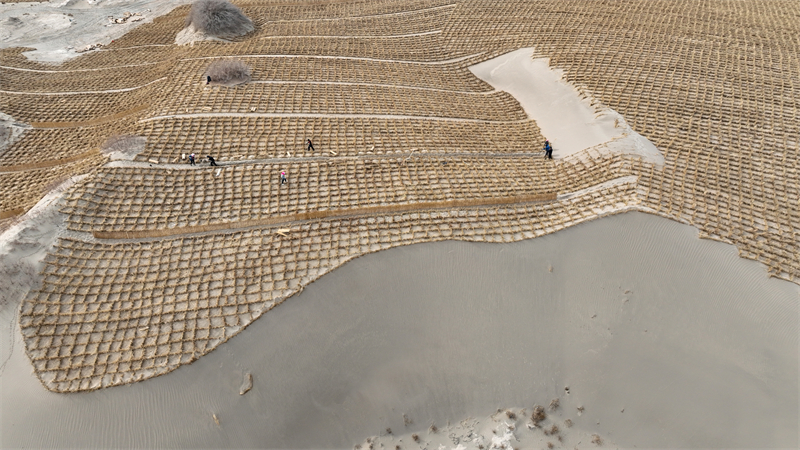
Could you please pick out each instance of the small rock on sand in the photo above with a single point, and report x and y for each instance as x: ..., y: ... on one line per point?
x: 247, y: 383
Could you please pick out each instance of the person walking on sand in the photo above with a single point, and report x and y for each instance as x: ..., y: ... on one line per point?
x: 191, y: 159
x: 548, y: 150
x: 211, y: 160
x: 310, y: 145
x: 283, y: 177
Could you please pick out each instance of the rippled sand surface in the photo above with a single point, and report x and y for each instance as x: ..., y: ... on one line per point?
x: 632, y: 312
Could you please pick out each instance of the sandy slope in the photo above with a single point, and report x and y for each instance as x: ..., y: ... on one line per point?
x: 565, y: 117
x: 58, y: 28
x: 665, y: 340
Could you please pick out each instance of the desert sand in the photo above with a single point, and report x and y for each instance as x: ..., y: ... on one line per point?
x: 666, y: 340
x: 568, y: 119
x: 61, y: 30
x: 645, y: 334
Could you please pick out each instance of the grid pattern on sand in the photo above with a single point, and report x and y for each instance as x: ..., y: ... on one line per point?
x: 135, y: 199
x: 92, y: 61
x: 161, y: 31
x: 46, y: 146
x: 78, y: 108
x: 448, y: 76
x: 109, y: 314
x: 92, y: 80
x: 281, y: 10
x: 340, y: 99
x: 237, y: 138
x: 422, y: 48
x: 712, y: 84
x: 410, y: 22
x: 29, y: 186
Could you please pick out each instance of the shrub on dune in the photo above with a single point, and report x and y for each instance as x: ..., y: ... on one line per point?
x: 228, y: 71
x: 218, y: 18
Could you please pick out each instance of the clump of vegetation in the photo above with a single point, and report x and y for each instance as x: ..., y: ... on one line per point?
x: 596, y: 440
x: 538, y: 414
x: 415, y: 437
x: 227, y: 71
x: 218, y: 18
x: 510, y: 414
x: 568, y: 423
x: 554, y: 404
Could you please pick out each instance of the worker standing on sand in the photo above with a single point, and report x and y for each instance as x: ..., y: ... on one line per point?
x: 283, y: 177
x: 191, y: 159
x: 211, y: 160
x: 310, y: 145
x: 548, y: 150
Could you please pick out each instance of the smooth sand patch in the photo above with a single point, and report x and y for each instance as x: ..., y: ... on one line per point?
x: 569, y: 121
x: 58, y: 29
x: 697, y: 346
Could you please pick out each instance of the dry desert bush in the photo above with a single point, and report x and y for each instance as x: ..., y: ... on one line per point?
x: 226, y: 71
x: 538, y: 414
x: 218, y: 18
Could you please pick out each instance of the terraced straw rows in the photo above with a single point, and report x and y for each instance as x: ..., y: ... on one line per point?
x: 135, y: 199
x: 78, y: 108
x: 341, y: 99
x: 43, y: 146
x: 332, y: 10
x: 710, y: 83
x: 423, y: 48
x: 29, y: 186
x: 713, y: 84
x: 448, y: 76
x: 420, y: 21
x: 237, y: 138
x: 87, y: 80
x: 109, y: 314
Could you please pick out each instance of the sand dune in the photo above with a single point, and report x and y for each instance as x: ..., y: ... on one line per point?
x: 697, y: 346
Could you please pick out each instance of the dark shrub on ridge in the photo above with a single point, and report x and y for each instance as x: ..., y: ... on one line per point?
x: 218, y: 18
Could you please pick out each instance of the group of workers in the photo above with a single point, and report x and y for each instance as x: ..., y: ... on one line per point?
x: 193, y: 160
x: 548, y: 154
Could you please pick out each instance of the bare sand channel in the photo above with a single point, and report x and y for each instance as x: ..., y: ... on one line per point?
x: 666, y: 340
